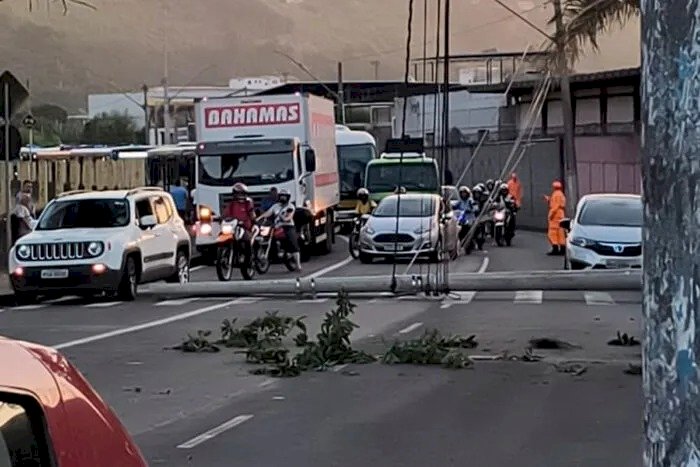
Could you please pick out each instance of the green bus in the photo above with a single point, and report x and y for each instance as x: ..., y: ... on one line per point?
x: 413, y: 171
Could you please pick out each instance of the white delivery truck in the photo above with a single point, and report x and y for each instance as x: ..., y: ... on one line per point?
x: 282, y: 141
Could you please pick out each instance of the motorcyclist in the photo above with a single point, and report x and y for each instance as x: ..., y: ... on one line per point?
x: 504, y: 196
x: 241, y: 207
x: 364, y: 204
x: 490, y: 184
x: 478, y: 195
x: 283, y: 212
x: 467, y: 205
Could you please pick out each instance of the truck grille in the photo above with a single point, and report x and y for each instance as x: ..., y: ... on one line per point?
x: 393, y: 238
x: 57, y: 251
x: 225, y: 199
x: 628, y: 250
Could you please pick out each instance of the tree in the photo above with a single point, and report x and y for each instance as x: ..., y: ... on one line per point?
x: 110, y: 129
x: 585, y: 20
x: 50, y: 113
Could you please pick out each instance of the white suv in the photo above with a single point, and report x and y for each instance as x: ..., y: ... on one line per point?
x: 101, y: 241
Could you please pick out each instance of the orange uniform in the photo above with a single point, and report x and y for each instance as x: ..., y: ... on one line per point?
x: 556, y: 212
x: 515, y: 189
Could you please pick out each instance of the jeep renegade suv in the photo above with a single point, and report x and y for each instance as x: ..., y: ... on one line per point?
x: 90, y: 242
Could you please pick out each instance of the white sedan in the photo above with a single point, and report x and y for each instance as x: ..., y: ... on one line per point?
x: 606, y: 233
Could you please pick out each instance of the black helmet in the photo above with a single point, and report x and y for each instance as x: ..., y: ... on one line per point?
x: 283, y: 196
x: 489, y: 184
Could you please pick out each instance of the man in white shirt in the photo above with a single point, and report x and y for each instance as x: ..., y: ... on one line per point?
x: 23, y: 214
x: 283, y: 212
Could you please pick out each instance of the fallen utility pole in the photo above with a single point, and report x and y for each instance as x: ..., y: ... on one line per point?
x: 412, y: 284
x: 671, y: 176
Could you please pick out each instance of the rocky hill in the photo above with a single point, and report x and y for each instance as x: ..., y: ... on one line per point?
x: 121, y: 44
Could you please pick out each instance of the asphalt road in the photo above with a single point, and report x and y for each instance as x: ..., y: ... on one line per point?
x: 208, y: 410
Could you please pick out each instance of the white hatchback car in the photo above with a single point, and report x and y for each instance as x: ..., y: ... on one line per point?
x: 88, y: 242
x: 606, y: 232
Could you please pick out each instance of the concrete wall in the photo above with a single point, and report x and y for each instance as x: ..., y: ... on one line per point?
x: 539, y: 166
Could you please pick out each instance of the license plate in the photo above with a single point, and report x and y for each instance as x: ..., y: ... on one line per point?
x: 618, y: 264
x: 54, y: 273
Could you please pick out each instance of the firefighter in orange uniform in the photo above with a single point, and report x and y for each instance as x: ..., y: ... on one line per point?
x: 515, y: 189
x: 556, y: 212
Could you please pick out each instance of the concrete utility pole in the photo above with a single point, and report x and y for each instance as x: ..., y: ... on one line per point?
x: 671, y: 176
x: 570, y: 172
x: 375, y: 64
x: 341, y: 94
x: 8, y: 168
x: 147, y: 122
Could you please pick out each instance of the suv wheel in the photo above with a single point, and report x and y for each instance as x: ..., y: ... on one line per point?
x: 128, y: 286
x: 182, y: 269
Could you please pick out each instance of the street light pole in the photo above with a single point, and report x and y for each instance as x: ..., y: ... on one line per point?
x: 570, y: 169
x: 670, y: 173
x: 8, y: 169
x: 147, y: 122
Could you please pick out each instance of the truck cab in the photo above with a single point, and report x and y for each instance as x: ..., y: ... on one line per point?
x: 411, y: 170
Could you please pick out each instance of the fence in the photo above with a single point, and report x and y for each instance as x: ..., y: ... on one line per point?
x: 539, y: 166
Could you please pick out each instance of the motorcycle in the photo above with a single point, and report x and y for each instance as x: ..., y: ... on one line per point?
x: 269, y: 245
x: 477, y: 238
x: 354, y: 240
x: 502, y: 233
x: 232, y: 252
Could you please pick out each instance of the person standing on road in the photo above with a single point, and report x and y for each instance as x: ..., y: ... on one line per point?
x: 556, y: 212
x: 179, y: 194
x: 23, y: 216
x: 515, y: 189
x: 26, y: 190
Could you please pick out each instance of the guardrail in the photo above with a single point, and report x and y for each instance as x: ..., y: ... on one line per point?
x: 413, y: 284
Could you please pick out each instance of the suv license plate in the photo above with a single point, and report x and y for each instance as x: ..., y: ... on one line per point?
x: 54, y: 273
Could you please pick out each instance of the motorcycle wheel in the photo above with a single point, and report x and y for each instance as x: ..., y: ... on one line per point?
x: 224, y: 263
x: 247, y: 268
x: 509, y: 240
x: 354, y: 245
x: 261, y: 261
x: 468, y: 248
x: 289, y: 262
x: 498, y: 236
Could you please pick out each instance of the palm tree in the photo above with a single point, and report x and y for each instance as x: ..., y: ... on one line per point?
x: 585, y: 20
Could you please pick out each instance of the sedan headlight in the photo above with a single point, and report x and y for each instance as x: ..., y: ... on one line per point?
x: 421, y: 230
x: 582, y: 242
x: 95, y: 248
x: 23, y: 252
x: 368, y: 229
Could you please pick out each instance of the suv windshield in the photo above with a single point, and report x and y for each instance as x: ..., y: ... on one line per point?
x: 85, y: 213
x: 414, y: 177
x: 612, y: 212
x: 411, y: 207
x: 253, y: 169
x: 352, y: 161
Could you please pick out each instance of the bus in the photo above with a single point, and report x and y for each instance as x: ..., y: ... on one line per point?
x: 413, y: 171
x: 355, y: 149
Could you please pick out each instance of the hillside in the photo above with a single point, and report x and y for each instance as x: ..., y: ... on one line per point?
x: 120, y: 46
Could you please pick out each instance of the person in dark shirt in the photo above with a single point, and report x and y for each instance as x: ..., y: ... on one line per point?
x: 179, y: 194
x: 270, y: 200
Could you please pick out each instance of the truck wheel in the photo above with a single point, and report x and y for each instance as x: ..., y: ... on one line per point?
x: 326, y: 246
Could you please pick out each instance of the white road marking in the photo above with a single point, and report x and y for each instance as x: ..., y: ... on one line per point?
x: 147, y: 325
x: 61, y: 299
x: 330, y: 268
x: 466, y: 297
x: 339, y: 368
x: 29, y: 307
x: 247, y: 300
x: 214, y: 432
x: 533, y: 297
x: 484, y: 265
x: 102, y: 304
x: 598, y: 298
x: 177, y: 302
x: 197, y: 268
x: 410, y: 328
x: 313, y: 300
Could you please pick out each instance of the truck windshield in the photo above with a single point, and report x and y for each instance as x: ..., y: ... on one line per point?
x: 413, y: 177
x: 253, y: 169
x: 352, y: 162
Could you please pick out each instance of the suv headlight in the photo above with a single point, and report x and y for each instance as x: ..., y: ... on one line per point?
x: 582, y: 242
x: 95, y: 249
x: 23, y: 252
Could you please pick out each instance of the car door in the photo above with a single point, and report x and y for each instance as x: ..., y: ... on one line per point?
x: 166, y: 245
x: 147, y: 242
x: 449, y: 225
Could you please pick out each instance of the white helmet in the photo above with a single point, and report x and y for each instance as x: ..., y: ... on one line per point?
x: 362, y: 192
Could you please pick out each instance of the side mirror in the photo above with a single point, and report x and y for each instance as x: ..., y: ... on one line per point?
x: 447, y: 216
x: 33, y: 223
x: 310, y: 160
x: 565, y: 224
x: 364, y: 217
x: 146, y: 222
